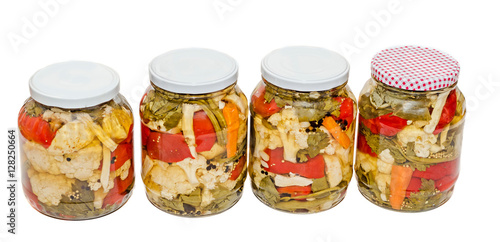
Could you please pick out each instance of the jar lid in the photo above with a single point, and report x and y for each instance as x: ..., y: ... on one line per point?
x: 193, y: 71
x: 74, y: 84
x: 305, y: 68
x: 415, y: 68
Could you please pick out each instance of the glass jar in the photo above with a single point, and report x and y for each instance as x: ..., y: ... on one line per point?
x: 194, y: 129
x: 410, y: 129
x: 76, y: 142
x: 302, y: 130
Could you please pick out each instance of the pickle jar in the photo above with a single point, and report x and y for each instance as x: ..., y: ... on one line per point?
x: 194, y: 133
x: 302, y: 130
x: 411, y: 120
x: 76, y: 141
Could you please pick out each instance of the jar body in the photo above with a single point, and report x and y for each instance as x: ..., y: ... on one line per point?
x: 77, y: 163
x: 194, y: 150
x: 301, y: 151
x: 409, y: 145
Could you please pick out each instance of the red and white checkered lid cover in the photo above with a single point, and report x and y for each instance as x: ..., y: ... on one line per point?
x: 415, y: 68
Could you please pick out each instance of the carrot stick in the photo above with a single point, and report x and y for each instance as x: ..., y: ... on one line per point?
x: 232, y: 118
x: 336, y: 132
x: 400, y: 179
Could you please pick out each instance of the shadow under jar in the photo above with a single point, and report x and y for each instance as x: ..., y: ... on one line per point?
x: 76, y: 142
x: 410, y: 130
x: 194, y: 133
x: 302, y: 130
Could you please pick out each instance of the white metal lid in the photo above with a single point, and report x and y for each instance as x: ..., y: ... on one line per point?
x: 193, y: 71
x: 74, y: 84
x: 415, y: 68
x: 305, y: 68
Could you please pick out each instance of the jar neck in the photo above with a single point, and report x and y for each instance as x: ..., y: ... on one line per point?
x: 412, y: 92
x: 189, y: 96
x: 334, y: 91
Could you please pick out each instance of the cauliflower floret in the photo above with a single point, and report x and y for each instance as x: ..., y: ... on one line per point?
x: 57, y: 117
x: 385, y: 161
x: 265, y: 138
x: 173, y: 180
x: 436, y: 112
x: 383, y: 181
x: 116, y: 122
x: 99, y: 196
x: 71, y: 137
x: 190, y: 166
x: 423, y: 141
x: 187, y: 126
x: 333, y: 169
x: 209, y: 178
x: 81, y: 164
x: 40, y: 159
x: 146, y: 166
x: 292, y: 135
x: 50, y: 188
x: 95, y: 181
x: 367, y: 162
x: 292, y: 180
x: 206, y: 197
x: 213, y: 152
x: 123, y: 171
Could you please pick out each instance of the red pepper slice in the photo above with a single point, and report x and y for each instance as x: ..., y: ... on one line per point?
x: 261, y: 106
x: 167, y: 147
x: 438, y: 171
x: 238, y: 169
x: 414, y: 186
x: 35, y: 129
x: 313, y: 168
x: 445, y: 183
x: 145, y: 131
x: 204, y: 131
x: 364, y: 147
x: 448, y: 112
x: 117, y: 193
x: 388, y: 125
x: 295, y: 191
x: 346, y: 110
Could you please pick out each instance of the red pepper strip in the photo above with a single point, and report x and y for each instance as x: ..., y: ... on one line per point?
x: 445, y: 183
x: 35, y: 129
x: 239, y: 168
x: 117, y: 193
x: 204, y: 131
x: 346, y: 110
x: 448, y: 112
x: 169, y: 148
x: 120, y: 155
x: 261, y: 106
x: 145, y: 131
x: 438, y: 171
x: 295, y: 191
x: 364, y: 147
x: 414, y: 186
x: 313, y: 168
x: 388, y: 125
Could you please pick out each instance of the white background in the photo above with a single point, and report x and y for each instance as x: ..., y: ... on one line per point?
x: 126, y: 35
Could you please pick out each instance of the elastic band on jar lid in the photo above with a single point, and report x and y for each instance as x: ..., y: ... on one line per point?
x: 193, y: 71
x: 74, y: 84
x: 415, y: 68
x: 305, y: 68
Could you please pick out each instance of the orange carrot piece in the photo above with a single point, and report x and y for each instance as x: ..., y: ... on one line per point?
x: 232, y: 117
x: 400, y: 179
x: 336, y: 132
